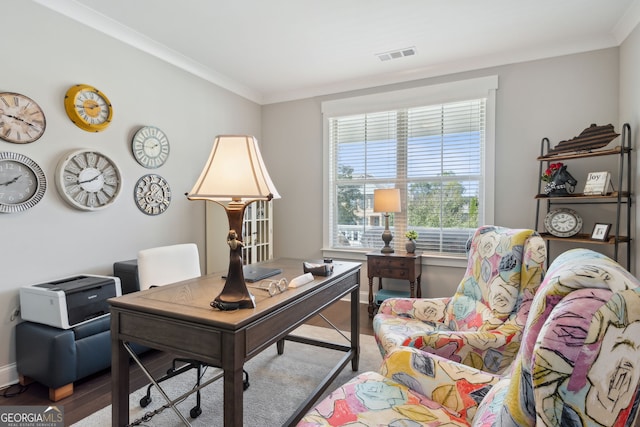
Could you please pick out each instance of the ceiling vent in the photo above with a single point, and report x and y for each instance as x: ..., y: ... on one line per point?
x: 395, y: 54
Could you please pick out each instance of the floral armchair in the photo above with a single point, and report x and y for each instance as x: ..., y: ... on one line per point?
x: 481, y: 325
x: 579, y: 365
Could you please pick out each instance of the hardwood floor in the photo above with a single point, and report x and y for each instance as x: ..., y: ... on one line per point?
x: 94, y: 393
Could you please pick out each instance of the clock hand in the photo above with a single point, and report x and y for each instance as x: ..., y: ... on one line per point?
x: 88, y: 107
x: 11, y: 181
x: 19, y: 119
x: 89, y: 180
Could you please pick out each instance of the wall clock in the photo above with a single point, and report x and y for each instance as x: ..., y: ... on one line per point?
x: 88, y: 108
x: 563, y: 222
x: 88, y: 180
x: 152, y: 194
x: 150, y: 147
x: 22, y: 182
x: 21, y: 118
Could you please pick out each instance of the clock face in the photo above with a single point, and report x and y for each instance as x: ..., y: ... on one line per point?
x: 88, y: 180
x: 22, y: 182
x: 21, y: 118
x: 150, y: 147
x: 563, y: 222
x: 152, y: 194
x: 88, y: 108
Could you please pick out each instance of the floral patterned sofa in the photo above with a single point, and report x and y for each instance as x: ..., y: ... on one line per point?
x: 481, y: 325
x: 578, y: 365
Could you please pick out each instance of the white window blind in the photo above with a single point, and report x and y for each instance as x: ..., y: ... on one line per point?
x: 435, y: 155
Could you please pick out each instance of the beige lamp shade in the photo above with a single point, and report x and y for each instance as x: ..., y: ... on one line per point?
x: 386, y: 200
x: 235, y: 171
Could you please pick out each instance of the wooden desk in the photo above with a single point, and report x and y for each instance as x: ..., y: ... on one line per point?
x: 177, y: 318
x: 397, y: 265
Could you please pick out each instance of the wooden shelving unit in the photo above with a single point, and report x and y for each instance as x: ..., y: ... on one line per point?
x: 620, y: 233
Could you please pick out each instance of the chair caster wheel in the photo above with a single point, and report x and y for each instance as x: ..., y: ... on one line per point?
x: 195, y: 412
x: 144, y: 402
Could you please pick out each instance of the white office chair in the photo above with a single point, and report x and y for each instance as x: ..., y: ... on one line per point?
x: 168, y: 264
x: 161, y: 266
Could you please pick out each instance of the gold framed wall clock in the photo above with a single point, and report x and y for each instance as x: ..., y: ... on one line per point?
x: 88, y: 108
x: 22, y: 182
x: 21, y: 118
x: 88, y: 180
x: 152, y: 194
x: 150, y: 147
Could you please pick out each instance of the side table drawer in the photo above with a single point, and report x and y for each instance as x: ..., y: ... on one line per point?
x: 393, y: 273
x: 384, y: 262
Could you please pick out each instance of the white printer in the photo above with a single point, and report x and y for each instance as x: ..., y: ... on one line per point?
x: 66, y: 303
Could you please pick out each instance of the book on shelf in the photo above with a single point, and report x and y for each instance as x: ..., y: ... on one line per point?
x: 598, y: 184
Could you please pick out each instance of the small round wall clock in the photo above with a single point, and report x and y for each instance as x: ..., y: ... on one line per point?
x: 22, y: 182
x: 563, y: 222
x: 150, y: 147
x: 88, y: 108
x: 152, y: 194
x: 21, y: 118
x: 88, y: 180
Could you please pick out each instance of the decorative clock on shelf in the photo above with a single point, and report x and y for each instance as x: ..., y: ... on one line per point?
x: 152, y: 194
x: 21, y: 118
x: 150, y: 147
x: 563, y: 222
x: 88, y: 180
x: 22, y: 182
x: 88, y: 108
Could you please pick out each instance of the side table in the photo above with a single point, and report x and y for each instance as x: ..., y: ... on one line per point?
x: 399, y: 265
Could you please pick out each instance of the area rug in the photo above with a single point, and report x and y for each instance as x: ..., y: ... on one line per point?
x: 279, y: 384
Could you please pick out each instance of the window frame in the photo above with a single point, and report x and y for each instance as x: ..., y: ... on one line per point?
x: 482, y: 87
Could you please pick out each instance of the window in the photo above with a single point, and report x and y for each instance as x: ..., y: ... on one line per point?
x: 435, y: 152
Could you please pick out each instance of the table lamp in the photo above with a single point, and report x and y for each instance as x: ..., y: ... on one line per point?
x: 386, y: 200
x: 233, y: 177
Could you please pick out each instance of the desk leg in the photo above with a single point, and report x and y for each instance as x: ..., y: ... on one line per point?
x: 119, y: 379
x: 412, y: 287
x: 232, y: 364
x: 419, y: 293
x: 355, y: 328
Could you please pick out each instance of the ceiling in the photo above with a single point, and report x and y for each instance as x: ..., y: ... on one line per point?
x: 281, y: 50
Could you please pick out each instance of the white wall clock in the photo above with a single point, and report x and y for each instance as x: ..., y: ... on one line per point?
x: 152, y: 194
x: 22, y: 182
x: 150, y: 147
x: 88, y: 180
x: 563, y: 222
x: 21, y: 118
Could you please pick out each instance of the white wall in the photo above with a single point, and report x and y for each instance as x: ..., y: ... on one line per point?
x: 555, y: 98
x: 46, y: 54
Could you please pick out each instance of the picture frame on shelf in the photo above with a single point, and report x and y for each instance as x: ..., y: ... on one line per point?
x: 598, y: 184
x: 600, y: 231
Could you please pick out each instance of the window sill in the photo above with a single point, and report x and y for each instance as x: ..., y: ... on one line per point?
x: 427, y: 259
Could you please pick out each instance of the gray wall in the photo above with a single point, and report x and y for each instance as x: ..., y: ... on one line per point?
x: 630, y: 112
x: 555, y: 98
x: 52, y: 240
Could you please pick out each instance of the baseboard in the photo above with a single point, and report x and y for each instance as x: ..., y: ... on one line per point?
x: 8, y: 375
